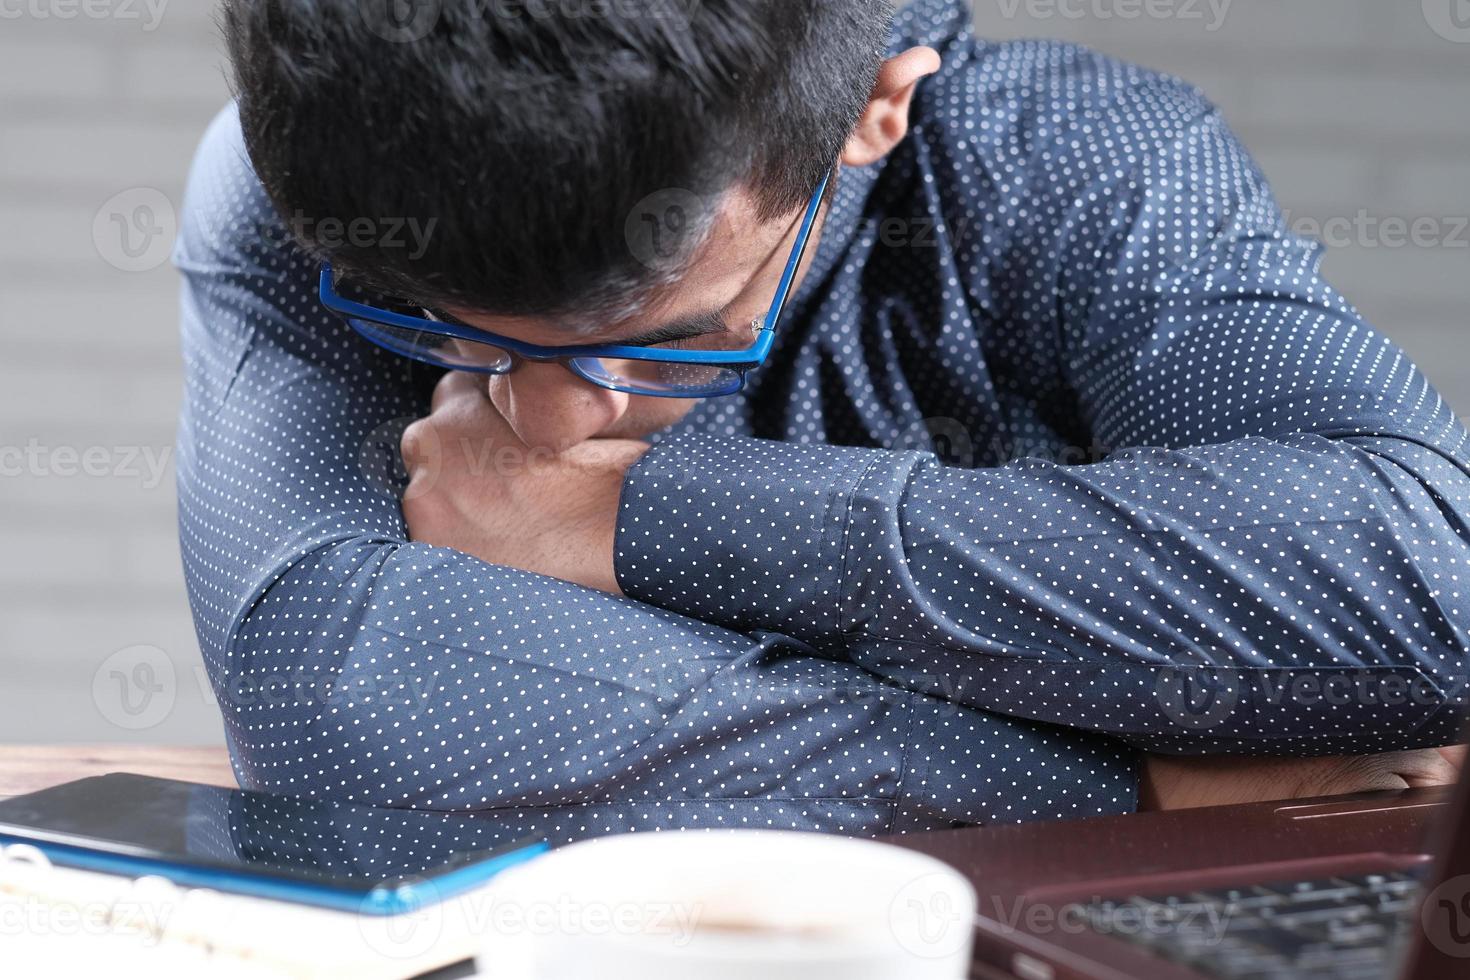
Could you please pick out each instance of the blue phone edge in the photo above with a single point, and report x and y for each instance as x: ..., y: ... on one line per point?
x: 377, y: 900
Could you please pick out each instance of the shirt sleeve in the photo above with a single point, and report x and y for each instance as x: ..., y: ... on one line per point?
x: 352, y: 663
x: 1274, y: 556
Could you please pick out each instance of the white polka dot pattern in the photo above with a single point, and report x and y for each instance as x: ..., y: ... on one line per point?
x: 834, y: 635
x: 1284, y: 508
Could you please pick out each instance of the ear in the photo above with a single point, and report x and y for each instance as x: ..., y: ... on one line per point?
x: 885, y: 122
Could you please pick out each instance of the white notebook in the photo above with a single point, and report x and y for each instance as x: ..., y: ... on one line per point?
x: 63, y: 922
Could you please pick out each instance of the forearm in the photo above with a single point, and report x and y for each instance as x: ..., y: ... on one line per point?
x: 1282, y: 513
x: 416, y: 676
x: 1074, y: 595
x: 349, y: 661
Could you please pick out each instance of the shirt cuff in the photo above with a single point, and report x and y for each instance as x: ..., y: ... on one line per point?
x: 748, y: 533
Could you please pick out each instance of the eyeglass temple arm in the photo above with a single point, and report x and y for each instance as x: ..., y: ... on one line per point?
x: 794, y: 263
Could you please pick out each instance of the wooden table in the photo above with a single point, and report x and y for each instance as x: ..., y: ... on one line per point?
x: 25, y: 768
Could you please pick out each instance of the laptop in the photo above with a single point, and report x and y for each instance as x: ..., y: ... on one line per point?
x: 1373, y: 886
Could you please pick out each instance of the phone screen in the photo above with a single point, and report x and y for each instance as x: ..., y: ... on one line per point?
x: 348, y: 846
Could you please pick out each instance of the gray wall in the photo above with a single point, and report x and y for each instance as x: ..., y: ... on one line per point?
x: 90, y: 108
x: 1357, y: 109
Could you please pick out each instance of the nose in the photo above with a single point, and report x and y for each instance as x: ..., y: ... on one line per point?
x: 549, y: 407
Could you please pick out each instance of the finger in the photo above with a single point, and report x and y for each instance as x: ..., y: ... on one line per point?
x: 1356, y: 774
x: 420, y: 445
x: 1427, y: 767
x: 454, y: 386
x: 1455, y: 756
x: 463, y: 406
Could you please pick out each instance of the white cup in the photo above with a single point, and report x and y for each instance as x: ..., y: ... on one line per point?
x: 717, y: 905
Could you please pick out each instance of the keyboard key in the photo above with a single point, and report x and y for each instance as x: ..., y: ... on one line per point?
x: 1343, y: 928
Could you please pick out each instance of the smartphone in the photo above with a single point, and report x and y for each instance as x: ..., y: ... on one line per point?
x: 342, y: 856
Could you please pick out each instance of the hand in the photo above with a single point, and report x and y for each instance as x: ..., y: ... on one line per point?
x: 476, y: 488
x: 1179, y: 783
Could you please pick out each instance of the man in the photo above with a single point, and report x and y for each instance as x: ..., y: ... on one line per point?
x: 700, y: 285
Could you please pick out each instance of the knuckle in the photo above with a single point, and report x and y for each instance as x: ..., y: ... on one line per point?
x: 1371, y: 772
x: 418, y: 443
x: 453, y: 385
x: 1429, y: 766
x: 1343, y: 774
x: 442, y: 391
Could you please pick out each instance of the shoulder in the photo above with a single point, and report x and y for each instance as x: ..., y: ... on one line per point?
x: 227, y: 219
x: 1019, y: 97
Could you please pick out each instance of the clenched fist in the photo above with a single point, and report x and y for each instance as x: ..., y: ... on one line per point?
x: 476, y: 488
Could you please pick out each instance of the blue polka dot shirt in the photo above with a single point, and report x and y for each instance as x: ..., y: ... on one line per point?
x: 1065, y: 451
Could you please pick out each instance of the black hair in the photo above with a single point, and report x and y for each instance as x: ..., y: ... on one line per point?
x: 553, y: 144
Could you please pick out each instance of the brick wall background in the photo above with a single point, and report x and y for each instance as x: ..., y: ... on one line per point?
x: 1356, y: 108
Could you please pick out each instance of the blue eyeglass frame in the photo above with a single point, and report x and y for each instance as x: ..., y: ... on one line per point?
x: 740, y: 361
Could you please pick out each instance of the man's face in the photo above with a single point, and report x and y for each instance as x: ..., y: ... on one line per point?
x: 729, y: 285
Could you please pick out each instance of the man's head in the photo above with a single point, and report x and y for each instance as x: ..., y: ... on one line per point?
x: 592, y: 170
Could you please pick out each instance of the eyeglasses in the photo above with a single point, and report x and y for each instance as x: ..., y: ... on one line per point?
x: 659, y: 372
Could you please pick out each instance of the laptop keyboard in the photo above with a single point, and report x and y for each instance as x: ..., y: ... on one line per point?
x: 1347, y: 928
